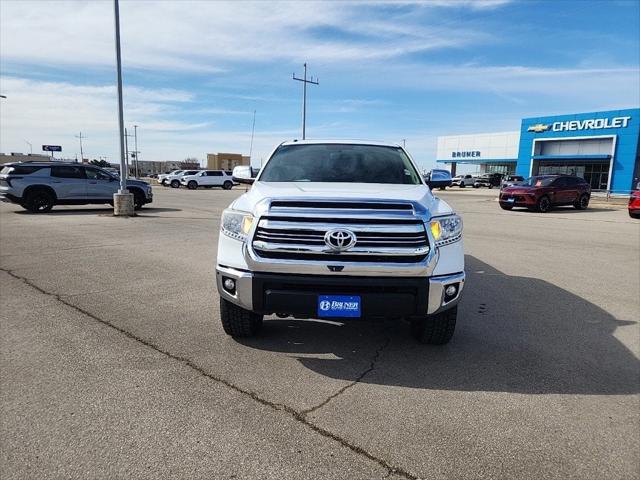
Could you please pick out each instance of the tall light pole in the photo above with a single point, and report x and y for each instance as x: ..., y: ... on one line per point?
x: 126, y: 148
x: 30, y: 146
x: 135, y: 135
x: 304, y: 97
x: 123, y: 200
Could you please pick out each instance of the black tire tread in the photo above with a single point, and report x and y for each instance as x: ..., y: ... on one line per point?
x: 538, y: 205
x: 577, y: 204
x: 32, y: 194
x: 436, y: 329
x: 238, y: 322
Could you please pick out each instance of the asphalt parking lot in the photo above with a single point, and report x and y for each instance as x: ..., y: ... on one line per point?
x: 114, y: 363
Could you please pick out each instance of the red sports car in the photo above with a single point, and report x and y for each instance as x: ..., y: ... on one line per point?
x: 543, y: 192
x: 634, y: 204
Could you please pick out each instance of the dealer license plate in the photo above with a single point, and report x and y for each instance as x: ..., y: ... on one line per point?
x: 511, y: 200
x: 338, y: 306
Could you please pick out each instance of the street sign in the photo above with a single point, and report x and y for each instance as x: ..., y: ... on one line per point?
x: 51, y: 148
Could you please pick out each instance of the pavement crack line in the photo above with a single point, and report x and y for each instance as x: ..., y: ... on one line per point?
x: 372, y: 365
x: 300, y: 417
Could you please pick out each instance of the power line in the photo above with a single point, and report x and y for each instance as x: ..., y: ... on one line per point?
x: 304, y: 97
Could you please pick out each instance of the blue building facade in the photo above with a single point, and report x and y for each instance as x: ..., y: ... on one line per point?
x: 602, y: 147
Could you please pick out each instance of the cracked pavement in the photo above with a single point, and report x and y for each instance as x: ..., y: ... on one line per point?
x: 114, y: 364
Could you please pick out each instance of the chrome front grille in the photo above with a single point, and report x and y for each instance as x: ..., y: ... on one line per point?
x: 395, y: 240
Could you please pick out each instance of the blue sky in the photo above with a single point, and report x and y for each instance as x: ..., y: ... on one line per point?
x: 194, y: 72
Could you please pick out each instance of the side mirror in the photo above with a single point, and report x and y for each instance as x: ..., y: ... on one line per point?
x: 243, y: 174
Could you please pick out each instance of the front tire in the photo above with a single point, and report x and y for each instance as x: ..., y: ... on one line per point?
x: 163, y: 182
x: 544, y: 204
x: 238, y: 322
x: 227, y: 185
x: 192, y: 185
x: 39, y: 201
x: 582, y: 203
x: 175, y: 183
x: 435, y: 329
x: 138, y: 200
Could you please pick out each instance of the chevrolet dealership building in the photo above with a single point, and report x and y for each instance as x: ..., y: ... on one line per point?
x: 601, y: 147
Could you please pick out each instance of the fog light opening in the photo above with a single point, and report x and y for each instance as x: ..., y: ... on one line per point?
x: 450, y: 292
x: 229, y: 285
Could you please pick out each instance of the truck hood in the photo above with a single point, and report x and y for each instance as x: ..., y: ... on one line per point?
x: 420, y: 195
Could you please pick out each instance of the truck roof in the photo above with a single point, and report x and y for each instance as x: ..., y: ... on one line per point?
x: 338, y: 142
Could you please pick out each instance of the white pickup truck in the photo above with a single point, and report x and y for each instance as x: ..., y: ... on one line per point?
x: 340, y: 230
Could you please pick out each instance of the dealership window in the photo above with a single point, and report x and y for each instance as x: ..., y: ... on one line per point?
x: 595, y: 173
x: 504, y: 168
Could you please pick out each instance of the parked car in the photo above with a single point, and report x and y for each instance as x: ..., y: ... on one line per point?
x: 634, y: 204
x: 162, y: 178
x: 317, y: 236
x: 39, y: 186
x: 543, y: 192
x: 510, y: 180
x: 463, y: 181
x: 488, y: 180
x: 438, y: 178
x: 173, y: 179
x: 208, y: 179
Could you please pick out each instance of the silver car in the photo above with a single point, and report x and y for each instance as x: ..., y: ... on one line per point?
x: 39, y: 186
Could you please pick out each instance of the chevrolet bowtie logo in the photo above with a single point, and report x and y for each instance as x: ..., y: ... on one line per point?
x: 538, y: 127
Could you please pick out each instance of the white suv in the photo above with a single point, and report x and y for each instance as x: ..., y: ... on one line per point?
x: 208, y: 179
x: 340, y: 230
x: 463, y: 181
x: 173, y: 179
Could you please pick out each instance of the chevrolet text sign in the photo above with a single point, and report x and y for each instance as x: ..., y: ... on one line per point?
x: 591, y: 124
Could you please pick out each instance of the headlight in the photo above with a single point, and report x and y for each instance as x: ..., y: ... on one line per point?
x: 236, y: 224
x: 446, y: 230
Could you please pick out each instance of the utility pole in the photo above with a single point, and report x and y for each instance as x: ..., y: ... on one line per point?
x: 404, y: 143
x: 304, y: 97
x: 253, y: 129
x: 126, y: 148
x: 135, y: 135
x: 81, y: 154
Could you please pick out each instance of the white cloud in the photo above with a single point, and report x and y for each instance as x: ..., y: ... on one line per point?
x: 208, y: 36
x: 53, y: 112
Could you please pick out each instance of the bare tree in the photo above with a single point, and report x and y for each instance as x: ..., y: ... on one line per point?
x: 190, y: 163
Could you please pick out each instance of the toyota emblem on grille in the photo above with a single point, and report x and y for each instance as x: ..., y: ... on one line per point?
x: 339, y: 239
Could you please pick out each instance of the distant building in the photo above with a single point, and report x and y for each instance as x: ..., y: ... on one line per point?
x: 601, y: 147
x: 226, y: 161
x: 23, y: 157
x: 149, y: 167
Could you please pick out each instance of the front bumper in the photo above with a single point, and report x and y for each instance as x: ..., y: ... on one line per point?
x: 519, y: 199
x: 268, y: 293
x: 9, y: 198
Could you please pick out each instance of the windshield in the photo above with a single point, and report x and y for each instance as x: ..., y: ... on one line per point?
x: 340, y: 163
x: 538, y: 181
